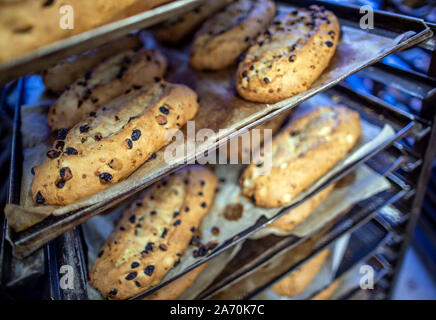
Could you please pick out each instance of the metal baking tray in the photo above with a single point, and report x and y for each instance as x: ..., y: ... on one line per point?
x: 48, y: 55
x: 387, y: 24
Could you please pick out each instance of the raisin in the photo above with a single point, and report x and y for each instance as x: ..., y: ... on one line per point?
x: 129, y: 143
x: 132, y: 218
x: 186, y: 209
x: 164, y: 110
x: 156, y: 79
x: 84, y: 128
x: 65, y: 173
x: 266, y: 80
x: 52, y: 154
x: 292, y: 58
x: 192, y: 229
x: 113, y: 292
x: 136, y: 134
x: 164, y: 233
x: 203, y: 204
x: 39, y: 198
x: 177, y: 222
x: 93, y: 114
x: 149, y: 247
x: 149, y: 270
x: 105, y: 177
x: 137, y: 87
x: 71, y: 151
x: 98, y: 136
x: 131, y: 275
x: 59, y: 145
x: 60, y: 184
x: 329, y: 44
x: 176, y: 263
x: 176, y: 213
x: 244, y: 74
x: 134, y: 265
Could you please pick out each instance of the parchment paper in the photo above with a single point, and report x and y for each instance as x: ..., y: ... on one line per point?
x: 220, y: 109
x: 365, y: 183
x: 322, y: 278
x: 97, y: 229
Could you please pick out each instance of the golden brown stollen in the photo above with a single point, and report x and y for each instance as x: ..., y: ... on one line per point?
x: 58, y: 77
x: 102, y: 150
x: 176, y: 29
x: 298, y: 280
x: 117, y: 75
x: 153, y: 233
x: 301, y: 154
x: 289, y: 56
x: 226, y: 35
x: 29, y: 24
x: 296, y: 216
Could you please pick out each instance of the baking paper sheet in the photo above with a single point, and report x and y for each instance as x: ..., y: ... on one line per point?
x: 220, y: 108
x: 365, y: 183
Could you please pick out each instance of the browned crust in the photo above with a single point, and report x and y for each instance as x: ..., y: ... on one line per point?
x: 296, y: 216
x: 223, y: 38
x: 109, y: 143
x: 297, y: 281
x: 301, y: 155
x: 179, y: 28
x: 274, y: 69
x: 108, y: 80
x: 173, y: 290
x: 28, y: 25
x: 63, y: 74
x: 327, y: 292
x: 190, y: 193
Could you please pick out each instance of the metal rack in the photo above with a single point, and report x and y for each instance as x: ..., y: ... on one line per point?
x: 406, y: 161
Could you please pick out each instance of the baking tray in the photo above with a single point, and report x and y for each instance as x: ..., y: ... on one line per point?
x: 29, y: 240
x: 48, y: 55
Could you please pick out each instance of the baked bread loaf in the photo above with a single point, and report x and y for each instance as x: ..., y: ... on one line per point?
x: 174, y: 289
x: 289, y: 56
x: 297, y: 281
x: 107, y: 81
x: 327, y: 292
x: 102, y: 150
x: 221, y: 40
x: 176, y: 29
x: 153, y: 233
x: 296, y: 216
x: 63, y: 74
x: 301, y: 154
x: 29, y: 24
